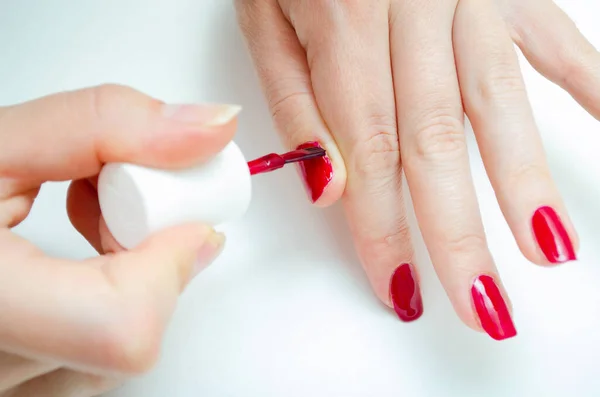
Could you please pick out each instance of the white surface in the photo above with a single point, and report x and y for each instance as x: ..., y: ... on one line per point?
x: 134, y: 204
x: 286, y: 311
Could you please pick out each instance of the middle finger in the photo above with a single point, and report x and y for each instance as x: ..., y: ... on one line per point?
x: 435, y: 158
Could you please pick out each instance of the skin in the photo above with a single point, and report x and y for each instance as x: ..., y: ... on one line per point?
x: 384, y: 85
x: 331, y: 76
x: 79, y: 328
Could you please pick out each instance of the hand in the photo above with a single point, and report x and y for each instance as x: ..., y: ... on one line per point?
x: 382, y: 86
x: 78, y: 328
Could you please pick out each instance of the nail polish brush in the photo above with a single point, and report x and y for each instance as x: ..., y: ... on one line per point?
x: 273, y: 161
x: 138, y: 201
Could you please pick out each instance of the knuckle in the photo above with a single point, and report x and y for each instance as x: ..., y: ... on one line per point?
x: 502, y: 81
x: 442, y: 136
x: 526, y: 173
x: 396, y: 238
x: 284, y: 97
x: 378, y: 151
x: 108, y: 99
x: 575, y: 65
x: 292, y: 113
x: 465, y: 244
x: 131, y: 344
x: 392, y: 246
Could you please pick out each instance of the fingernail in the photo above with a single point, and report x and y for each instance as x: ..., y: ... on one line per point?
x: 317, y: 172
x: 491, y: 309
x: 551, y: 236
x: 209, y: 252
x: 207, y: 115
x: 405, y: 293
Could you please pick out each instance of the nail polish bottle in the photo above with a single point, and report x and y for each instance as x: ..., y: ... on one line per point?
x: 139, y: 201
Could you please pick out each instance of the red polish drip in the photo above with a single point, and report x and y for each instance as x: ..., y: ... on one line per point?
x: 552, y: 236
x: 406, y: 294
x: 492, y: 309
x: 317, y: 172
x: 273, y: 161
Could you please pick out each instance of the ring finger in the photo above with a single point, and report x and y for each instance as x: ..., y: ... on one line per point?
x: 496, y: 102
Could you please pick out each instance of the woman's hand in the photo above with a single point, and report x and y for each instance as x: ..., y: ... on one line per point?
x: 78, y: 328
x: 383, y: 85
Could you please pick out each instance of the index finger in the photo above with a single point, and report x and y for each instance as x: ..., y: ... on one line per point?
x: 70, y: 135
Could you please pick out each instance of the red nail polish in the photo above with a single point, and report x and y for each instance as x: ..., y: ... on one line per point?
x: 405, y: 293
x: 551, y: 236
x: 491, y: 309
x: 317, y: 172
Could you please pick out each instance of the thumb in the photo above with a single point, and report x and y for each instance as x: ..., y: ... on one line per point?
x: 165, y: 262
x: 110, y: 315
x: 71, y: 134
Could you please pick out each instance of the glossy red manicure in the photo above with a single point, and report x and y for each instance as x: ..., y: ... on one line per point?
x: 317, y: 172
x: 551, y: 236
x: 405, y: 293
x: 491, y: 309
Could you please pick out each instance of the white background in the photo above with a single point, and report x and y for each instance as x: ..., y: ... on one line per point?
x: 286, y: 311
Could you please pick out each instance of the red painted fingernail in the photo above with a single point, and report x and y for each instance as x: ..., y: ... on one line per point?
x: 491, y: 309
x: 552, y: 236
x: 317, y: 172
x: 405, y: 293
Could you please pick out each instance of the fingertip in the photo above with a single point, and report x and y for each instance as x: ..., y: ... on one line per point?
x: 405, y: 293
x: 332, y: 193
x: 182, y: 251
x: 185, y: 135
x: 480, y: 299
x: 137, y: 128
x: 187, y: 237
x: 181, y: 242
x: 324, y: 177
x: 164, y: 263
x: 550, y: 238
x: 490, y: 308
x: 399, y: 291
x: 467, y: 313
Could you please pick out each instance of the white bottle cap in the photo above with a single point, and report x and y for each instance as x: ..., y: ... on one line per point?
x: 138, y: 201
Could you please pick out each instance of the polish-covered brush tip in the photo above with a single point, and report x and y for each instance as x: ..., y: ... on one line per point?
x: 273, y: 161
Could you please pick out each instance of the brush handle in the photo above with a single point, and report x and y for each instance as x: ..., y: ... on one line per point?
x: 137, y: 201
